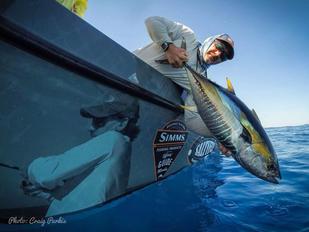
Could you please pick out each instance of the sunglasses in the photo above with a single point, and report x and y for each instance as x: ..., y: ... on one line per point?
x: 223, y: 50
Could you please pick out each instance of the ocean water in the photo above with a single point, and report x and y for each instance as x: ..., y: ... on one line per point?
x: 218, y: 195
x: 214, y: 195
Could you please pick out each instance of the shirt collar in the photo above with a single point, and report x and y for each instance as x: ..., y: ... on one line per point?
x: 204, y: 66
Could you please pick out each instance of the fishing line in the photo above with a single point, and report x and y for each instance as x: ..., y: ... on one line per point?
x: 10, y: 167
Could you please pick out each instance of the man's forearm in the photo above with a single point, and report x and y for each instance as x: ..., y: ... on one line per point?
x: 158, y: 29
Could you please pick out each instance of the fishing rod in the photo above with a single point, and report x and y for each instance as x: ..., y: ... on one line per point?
x: 10, y: 167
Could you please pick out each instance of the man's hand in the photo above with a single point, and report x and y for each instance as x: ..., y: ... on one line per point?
x: 176, y: 56
x: 30, y: 189
x: 224, y: 150
x: 34, y: 191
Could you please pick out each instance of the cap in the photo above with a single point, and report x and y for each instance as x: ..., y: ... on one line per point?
x: 109, y: 108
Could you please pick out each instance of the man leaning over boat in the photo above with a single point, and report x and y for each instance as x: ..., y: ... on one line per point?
x: 167, y: 37
x: 92, y: 172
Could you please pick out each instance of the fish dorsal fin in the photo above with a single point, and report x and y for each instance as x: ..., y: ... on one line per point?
x: 230, y: 86
x: 255, y: 115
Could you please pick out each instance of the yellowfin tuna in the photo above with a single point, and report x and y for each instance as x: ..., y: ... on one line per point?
x: 235, y: 126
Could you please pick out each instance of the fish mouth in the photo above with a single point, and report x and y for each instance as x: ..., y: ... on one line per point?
x: 272, y: 176
x: 272, y: 179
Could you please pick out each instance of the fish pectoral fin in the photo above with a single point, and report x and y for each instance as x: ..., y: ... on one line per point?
x: 230, y: 87
x: 246, y: 135
x: 189, y: 108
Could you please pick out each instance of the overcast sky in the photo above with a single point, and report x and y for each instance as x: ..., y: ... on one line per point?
x: 270, y: 70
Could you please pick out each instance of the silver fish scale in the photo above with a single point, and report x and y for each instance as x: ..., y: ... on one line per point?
x: 214, y: 121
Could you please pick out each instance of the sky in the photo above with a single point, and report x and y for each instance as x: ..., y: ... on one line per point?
x: 270, y: 69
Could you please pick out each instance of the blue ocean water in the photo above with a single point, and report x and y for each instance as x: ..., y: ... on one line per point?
x: 215, y: 195
x: 218, y: 195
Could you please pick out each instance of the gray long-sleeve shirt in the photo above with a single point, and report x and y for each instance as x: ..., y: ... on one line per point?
x: 163, y: 30
x: 89, y: 173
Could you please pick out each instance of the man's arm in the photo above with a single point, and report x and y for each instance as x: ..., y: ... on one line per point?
x: 158, y: 29
x: 50, y: 172
x: 162, y: 30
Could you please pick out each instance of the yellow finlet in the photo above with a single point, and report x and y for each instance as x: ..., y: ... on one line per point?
x: 230, y: 86
x: 79, y: 7
x: 189, y: 108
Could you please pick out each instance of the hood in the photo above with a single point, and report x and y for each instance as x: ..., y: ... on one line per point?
x: 207, y: 42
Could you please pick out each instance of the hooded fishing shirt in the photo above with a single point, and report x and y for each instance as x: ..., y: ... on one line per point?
x: 163, y: 30
x: 85, y: 175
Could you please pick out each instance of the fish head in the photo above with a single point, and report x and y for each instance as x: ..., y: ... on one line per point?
x: 256, y: 153
x: 258, y: 163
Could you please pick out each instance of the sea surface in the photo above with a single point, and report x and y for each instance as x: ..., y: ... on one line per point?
x: 218, y: 195
x: 215, y: 195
